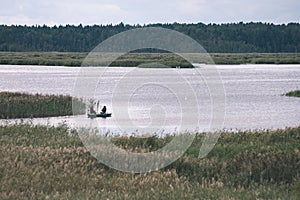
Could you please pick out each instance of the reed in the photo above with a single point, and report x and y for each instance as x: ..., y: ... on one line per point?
x: 46, y: 162
x: 295, y: 93
x: 23, y: 105
x: 135, y: 59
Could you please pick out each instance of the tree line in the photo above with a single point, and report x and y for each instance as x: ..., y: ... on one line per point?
x: 218, y: 38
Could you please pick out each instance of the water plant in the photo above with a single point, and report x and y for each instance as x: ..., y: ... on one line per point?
x: 47, y: 162
x: 24, y: 105
x: 134, y: 59
x: 295, y: 93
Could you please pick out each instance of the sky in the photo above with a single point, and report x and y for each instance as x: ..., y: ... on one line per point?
x: 90, y: 12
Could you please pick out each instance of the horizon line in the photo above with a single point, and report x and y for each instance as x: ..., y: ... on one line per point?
x: 152, y: 23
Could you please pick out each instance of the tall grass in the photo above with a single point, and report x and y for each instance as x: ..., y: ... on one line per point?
x: 42, y: 58
x: 256, y: 58
x: 43, y: 162
x: 134, y: 59
x: 23, y: 105
x: 164, y: 59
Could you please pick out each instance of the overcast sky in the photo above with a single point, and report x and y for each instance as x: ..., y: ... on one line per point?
x: 89, y: 12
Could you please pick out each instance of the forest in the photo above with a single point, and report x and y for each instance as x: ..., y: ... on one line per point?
x: 215, y: 38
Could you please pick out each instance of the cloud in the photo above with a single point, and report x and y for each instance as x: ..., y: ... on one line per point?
x: 145, y: 11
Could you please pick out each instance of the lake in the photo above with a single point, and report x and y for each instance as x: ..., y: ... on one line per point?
x: 160, y: 100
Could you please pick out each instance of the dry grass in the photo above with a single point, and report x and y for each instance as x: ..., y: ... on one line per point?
x: 42, y: 162
x: 135, y: 59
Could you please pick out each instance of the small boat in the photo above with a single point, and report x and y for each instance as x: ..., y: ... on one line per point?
x: 103, y: 115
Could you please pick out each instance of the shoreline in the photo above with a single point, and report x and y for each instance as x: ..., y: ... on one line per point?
x: 75, y: 59
x: 68, y: 121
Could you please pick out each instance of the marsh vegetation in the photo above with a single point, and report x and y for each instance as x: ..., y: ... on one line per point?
x: 136, y: 59
x: 40, y: 162
x: 23, y: 105
x: 295, y: 93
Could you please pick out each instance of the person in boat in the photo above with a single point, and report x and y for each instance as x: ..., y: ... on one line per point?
x: 92, y: 111
x: 103, y: 111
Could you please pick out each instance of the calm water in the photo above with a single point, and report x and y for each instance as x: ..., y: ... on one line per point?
x: 163, y: 98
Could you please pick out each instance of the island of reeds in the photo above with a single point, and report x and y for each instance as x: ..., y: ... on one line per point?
x: 137, y: 59
x: 24, y: 105
x: 47, y: 162
x: 295, y: 93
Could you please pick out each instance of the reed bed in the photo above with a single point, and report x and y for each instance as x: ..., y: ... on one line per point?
x: 42, y: 58
x: 23, y: 105
x: 134, y: 59
x: 140, y: 59
x: 295, y: 93
x: 256, y: 58
x: 46, y: 162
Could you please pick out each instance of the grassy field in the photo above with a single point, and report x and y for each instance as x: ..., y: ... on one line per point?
x: 257, y: 58
x: 42, y: 58
x: 43, y: 162
x: 22, y: 105
x: 135, y: 59
x: 295, y: 93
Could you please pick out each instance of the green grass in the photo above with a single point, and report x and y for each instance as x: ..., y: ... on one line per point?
x: 23, y: 105
x: 164, y: 59
x: 295, y: 93
x: 135, y: 59
x: 41, y: 162
x: 256, y: 58
x: 42, y: 58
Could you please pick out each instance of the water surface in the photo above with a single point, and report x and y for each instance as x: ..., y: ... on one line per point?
x: 253, y: 95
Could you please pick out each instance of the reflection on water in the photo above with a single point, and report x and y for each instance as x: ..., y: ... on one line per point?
x: 253, y: 97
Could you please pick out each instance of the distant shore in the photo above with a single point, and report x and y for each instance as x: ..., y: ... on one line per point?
x: 135, y: 59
